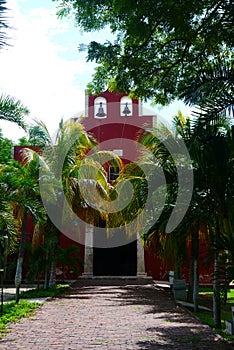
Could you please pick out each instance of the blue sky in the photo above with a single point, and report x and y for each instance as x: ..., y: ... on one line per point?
x: 43, y: 67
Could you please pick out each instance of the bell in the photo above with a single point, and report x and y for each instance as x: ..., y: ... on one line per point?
x: 126, y: 110
x: 100, y: 113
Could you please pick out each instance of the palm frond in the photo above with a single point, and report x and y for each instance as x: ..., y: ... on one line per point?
x: 12, y: 110
x: 9, y: 223
x: 213, y: 89
x: 227, y: 11
x: 3, y: 24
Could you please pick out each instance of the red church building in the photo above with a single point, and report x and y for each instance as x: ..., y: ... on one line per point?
x: 115, y: 120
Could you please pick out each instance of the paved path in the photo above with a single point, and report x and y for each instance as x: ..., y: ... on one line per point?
x: 112, y: 315
x: 9, y: 292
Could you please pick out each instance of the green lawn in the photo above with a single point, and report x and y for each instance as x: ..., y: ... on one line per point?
x: 42, y: 293
x: 12, y: 312
x: 205, y: 299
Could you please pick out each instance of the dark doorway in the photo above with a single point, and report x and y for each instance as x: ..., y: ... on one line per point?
x: 115, y: 261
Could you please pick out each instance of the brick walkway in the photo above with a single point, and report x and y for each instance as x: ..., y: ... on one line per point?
x: 112, y: 315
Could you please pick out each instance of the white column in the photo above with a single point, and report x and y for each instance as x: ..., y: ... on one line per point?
x: 140, y: 258
x: 88, y: 255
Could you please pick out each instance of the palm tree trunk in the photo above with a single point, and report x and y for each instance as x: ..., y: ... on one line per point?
x: 195, y: 267
x: 216, y: 282
x: 46, y: 281
x: 195, y: 286
x: 177, y: 262
x: 216, y: 294
x: 52, y: 281
x: 191, y: 278
x: 193, y: 272
x: 18, y: 273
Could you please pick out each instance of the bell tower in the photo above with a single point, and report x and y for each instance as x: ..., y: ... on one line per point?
x: 115, y: 120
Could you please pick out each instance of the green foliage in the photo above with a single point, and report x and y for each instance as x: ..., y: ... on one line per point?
x: 213, y: 88
x: 226, y: 314
x: 5, y: 149
x: 37, y: 136
x: 12, y: 312
x: 45, y: 293
x: 67, y: 259
x: 21, y: 184
x: 23, y: 141
x: 13, y: 110
x: 36, y: 263
x: 156, y: 43
x: 7, y: 220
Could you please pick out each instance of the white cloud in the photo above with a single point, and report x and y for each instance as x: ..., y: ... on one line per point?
x: 35, y: 68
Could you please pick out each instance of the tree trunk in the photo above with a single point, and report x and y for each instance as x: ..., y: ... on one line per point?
x: 177, y: 263
x: 195, y: 285
x: 193, y: 272
x: 46, y: 281
x: 216, y: 294
x: 18, y: 273
x: 195, y: 267
x: 52, y: 281
x: 191, y: 278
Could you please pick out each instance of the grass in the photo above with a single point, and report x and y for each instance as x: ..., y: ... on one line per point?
x: 205, y: 299
x: 44, y: 293
x: 12, y: 312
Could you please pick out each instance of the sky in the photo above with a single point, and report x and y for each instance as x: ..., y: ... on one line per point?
x: 43, y: 67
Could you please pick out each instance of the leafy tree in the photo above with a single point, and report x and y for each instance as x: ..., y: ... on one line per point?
x: 23, y: 141
x: 5, y: 149
x: 156, y: 43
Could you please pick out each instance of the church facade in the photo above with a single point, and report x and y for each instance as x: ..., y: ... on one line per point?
x: 115, y: 120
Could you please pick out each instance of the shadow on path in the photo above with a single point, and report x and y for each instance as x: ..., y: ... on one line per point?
x: 112, y: 314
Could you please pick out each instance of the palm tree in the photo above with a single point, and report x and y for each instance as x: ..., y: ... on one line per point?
x: 37, y: 136
x: 213, y: 92
x: 69, y: 257
x: 212, y: 152
x: 211, y: 148
x: 172, y: 246
x: 213, y: 89
x: 221, y: 203
x: 8, y: 221
x: 3, y: 24
x: 25, y: 200
x: 67, y: 175
x: 12, y: 110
